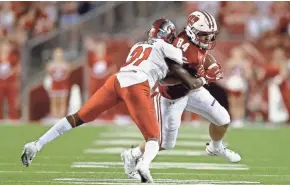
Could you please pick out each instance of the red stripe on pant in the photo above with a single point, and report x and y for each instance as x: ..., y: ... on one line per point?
x: 159, y: 114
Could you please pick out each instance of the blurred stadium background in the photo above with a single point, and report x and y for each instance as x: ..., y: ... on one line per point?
x: 54, y: 55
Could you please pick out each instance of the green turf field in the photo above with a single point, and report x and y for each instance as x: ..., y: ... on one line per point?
x: 90, y: 155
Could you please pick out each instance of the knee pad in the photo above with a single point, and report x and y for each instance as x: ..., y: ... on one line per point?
x: 221, y: 117
x: 224, y: 117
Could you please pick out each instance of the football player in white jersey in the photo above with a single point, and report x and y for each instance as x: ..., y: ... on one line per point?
x: 195, y: 41
x: 144, y: 68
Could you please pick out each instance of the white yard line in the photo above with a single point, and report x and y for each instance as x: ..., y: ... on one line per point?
x: 168, y: 181
x: 190, y: 168
x: 167, y: 152
x: 137, y: 135
x: 37, y: 164
x: 24, y: 181
x: 165, y: 165
x: 154, y: 173
x: 128, y: 142
x: 117, y: 183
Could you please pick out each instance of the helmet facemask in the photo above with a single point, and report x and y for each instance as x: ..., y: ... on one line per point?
x: 165, y: 31
x: 168, y: 35
x: 205, y: 40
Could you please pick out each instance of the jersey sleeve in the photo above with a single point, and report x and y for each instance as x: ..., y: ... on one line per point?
x: 172, y: 53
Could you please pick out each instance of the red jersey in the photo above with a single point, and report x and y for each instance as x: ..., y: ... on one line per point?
x: 7, y: 68
x: 193, y: 55
x: 98, y: 65
x: 59, y: 73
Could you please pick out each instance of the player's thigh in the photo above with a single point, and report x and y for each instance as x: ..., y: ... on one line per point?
x: 169, y: 113
x: 204, y: 104
x: 141, y: 108
x: 102, y: 100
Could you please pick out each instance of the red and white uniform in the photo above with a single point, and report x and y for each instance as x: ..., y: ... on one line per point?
x: 98, y: 67
x: 6, y: 70
x: 59, y: 72
x: 9, y: 86
x: 146, y: 61
x: 173, y: 100
x: 145, y: 66
x: 236, y: 82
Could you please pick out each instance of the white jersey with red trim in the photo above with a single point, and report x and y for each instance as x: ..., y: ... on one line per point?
x: 146, y: 61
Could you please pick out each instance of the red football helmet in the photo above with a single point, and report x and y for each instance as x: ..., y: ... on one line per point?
x: 163, y: 29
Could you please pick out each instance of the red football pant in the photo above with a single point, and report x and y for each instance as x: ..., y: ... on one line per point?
x: 11, y: 93
x: 137, y: 99
x: 94, y: 85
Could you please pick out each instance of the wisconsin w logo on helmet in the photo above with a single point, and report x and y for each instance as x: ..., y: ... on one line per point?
x: 192, y: 19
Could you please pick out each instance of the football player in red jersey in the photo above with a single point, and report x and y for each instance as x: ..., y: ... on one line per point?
x: 195, y: 42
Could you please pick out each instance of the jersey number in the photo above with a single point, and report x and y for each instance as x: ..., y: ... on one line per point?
x: 138, y: 56
x: 182, y: 46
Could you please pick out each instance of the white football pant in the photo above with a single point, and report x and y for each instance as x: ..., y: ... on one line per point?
x: 198, y: 101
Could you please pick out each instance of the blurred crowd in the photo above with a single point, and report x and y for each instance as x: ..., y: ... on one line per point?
x: 253, y: 47
x: 21, y: 21
x: 250, y: 19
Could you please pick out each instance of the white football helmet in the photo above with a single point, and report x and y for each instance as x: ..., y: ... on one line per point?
x: 202, y: 28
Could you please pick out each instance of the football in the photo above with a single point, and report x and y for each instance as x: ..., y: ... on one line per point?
x: 209, y: 62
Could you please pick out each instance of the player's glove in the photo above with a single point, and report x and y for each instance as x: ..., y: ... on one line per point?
x: 213, y: 74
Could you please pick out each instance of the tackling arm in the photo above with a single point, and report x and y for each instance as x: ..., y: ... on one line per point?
x: 179, y: 72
